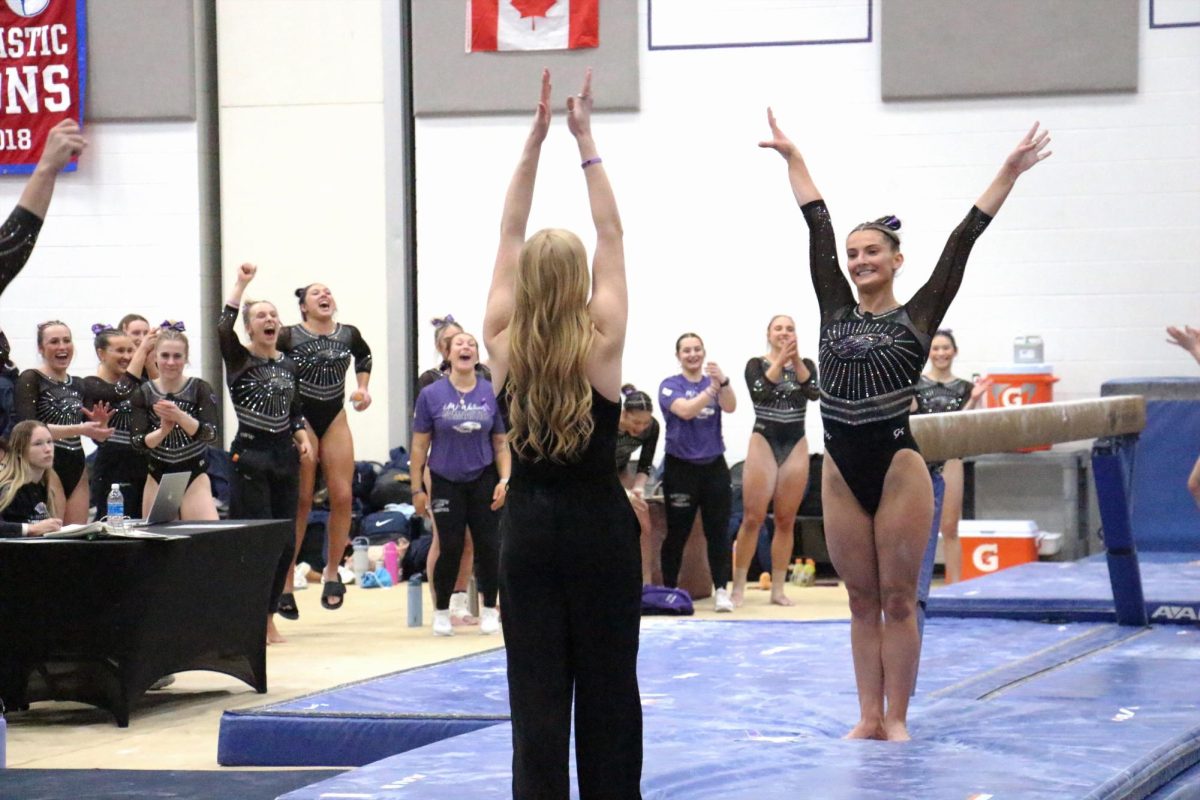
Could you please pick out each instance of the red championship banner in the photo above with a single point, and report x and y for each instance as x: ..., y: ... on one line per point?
x: 43, y: 46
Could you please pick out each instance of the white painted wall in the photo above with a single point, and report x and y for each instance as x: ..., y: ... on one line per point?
x: 122, y: 234
x: 301, y: 122
x: 1096, y: 250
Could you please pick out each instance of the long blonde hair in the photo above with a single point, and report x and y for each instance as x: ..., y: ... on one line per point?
x: 15, y: 472
x: 549, y: 396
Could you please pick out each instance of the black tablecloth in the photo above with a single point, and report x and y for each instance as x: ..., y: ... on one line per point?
x: 100, y: 621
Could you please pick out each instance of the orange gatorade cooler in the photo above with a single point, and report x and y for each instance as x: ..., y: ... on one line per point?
x: 1021, y: 385
x: 990, y: 545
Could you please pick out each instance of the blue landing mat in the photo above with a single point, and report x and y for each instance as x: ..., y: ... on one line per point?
x: 1077, y: 591
x: 1119, y: 723
x: 685, y: 667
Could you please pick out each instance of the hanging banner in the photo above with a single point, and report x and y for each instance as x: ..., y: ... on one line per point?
x: 43, y: 63
x: 532, y: 24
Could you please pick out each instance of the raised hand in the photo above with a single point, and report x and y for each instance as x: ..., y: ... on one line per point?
x: 541, y: 117
x: 979, y: 389
x: 64, y: 142
x: 1188, y: 339
x: 99, y: 413
x: 779, y: 142
x: 1030, y: 151
x: 246, y: 273
x: 579, y: 108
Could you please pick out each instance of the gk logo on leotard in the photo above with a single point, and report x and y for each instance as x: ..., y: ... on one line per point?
x: 857, y: 345
x: 896, y: 434
x: 986, y: 557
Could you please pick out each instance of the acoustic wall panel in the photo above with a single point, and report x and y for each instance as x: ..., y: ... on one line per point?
x: 141, y: 60
x: 977, y: 48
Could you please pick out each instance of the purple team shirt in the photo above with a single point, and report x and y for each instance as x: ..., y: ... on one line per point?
x: 462, y: 426
x: 697, y: 439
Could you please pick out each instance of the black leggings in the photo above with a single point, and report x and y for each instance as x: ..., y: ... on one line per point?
x: 571, y: 589
x: 266, y: 485
x: 688, y: 486
x: 123, y: 465
x: 456, y: 505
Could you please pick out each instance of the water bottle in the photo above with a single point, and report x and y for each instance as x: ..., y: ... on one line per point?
x: 116, y: 508
x: 361, y: 563
x: 391, y: 561
x: 797, y: 576
x: 415, y: 616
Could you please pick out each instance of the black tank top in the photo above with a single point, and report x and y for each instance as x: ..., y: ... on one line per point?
x: 593, y: 466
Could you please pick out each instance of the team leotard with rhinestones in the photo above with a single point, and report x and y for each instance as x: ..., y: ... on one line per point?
x: 116, y: 459
x: 53, y: 402
x: 934, y: 397
x: 322, y: 361
x: 628, y: 444
x: 870, y: 363
x: 263, y: 390
x: 177, y: 452
x: 779, y: 408
x: 18, y: 235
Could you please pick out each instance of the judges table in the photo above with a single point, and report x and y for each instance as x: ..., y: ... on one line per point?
x: 100, y: 621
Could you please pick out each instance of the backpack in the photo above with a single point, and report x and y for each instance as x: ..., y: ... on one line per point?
x: 384, y: 526
x: 658, y: 600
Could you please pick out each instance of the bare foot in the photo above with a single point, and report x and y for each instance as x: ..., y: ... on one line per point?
x: 896, y: 731
x: 273, y: 634
x: 738, y: 593
x: 866, y: 729
x: 465, y: 619
x: 781, y: 599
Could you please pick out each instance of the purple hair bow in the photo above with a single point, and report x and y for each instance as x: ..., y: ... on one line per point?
x: 441, y: 322
x: 100, y: 328
x: 177, y: 325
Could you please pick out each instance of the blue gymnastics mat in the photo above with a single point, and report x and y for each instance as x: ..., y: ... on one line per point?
x: 1075, y: 591
x: 684, y: 666
x: 1114, y: 716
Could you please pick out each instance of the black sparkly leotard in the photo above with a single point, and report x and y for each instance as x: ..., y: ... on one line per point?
x: 263, y: 390
x: 628, y: 444
x: 177, y: 452
x: 266, y: 463
x: 322, y: 361
x: 779, y: 407
x: 939, y: 398
x: 870, y: 363
x: 54, y: 402
x: 116, y: 459
x: 18, y: 235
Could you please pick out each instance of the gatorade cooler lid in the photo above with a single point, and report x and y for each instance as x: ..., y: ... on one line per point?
x: 1022, y: 369
x: 999, y: 528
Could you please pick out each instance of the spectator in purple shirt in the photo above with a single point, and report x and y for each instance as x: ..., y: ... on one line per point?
x: 695, y: 475
x: 468, y: 474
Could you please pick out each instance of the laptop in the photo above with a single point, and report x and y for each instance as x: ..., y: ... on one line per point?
x: 167, y: 502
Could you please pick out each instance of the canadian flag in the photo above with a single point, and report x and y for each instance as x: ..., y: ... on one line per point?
x: 532, y: 24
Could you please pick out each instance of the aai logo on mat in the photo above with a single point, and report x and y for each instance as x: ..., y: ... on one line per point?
x: 28, y: 8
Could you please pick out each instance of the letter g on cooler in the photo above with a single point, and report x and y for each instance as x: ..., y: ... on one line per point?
x: 986, y: 557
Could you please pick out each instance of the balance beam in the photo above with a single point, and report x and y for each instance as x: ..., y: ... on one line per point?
x: 994, y: 430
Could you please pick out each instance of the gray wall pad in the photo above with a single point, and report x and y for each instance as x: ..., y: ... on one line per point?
x: 141, y: 60
x: 447, y: 80
x: 951, y: 48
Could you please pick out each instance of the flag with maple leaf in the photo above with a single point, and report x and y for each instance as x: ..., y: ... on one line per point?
x: 532, y: 24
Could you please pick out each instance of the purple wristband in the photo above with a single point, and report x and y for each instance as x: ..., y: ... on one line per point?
x: 590, y: 161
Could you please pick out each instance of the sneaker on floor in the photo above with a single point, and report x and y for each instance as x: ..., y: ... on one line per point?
x: 441, y: 623
x: 722, y: 601
x: 347, y: 575
x: 300, y: 577
x: 489, y: 620
x: 458, y: 606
